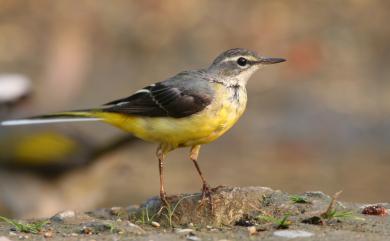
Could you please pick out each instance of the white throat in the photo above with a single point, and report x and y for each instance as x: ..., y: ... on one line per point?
x: 244, y: 76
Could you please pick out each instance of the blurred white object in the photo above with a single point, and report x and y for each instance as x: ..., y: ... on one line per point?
x: 13, y: 87
x: 293, y: 234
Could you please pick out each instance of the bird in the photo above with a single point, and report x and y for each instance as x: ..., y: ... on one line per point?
x: 190, y: 109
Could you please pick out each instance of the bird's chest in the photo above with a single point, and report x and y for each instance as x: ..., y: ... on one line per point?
x: 229, y: 105
x: 232, y: 103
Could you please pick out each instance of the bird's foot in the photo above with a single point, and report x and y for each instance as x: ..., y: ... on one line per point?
x: 207, y: 197
x: 164, y: 200
x: 164, y: 203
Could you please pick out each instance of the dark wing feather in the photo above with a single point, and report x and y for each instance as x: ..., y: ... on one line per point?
x: 180, y: 96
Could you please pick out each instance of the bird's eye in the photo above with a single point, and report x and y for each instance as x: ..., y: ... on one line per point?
x: 242, y: 61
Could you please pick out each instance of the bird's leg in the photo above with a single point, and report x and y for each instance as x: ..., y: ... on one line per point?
x: 160, y: 153
x: 206, y: 192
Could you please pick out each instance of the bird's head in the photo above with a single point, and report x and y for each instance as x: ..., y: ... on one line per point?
x: 239, y: 64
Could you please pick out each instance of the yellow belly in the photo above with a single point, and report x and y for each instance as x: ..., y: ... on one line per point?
x: 199, y: 128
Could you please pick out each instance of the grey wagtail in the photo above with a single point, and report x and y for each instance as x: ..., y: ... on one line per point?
x: 192, y: 108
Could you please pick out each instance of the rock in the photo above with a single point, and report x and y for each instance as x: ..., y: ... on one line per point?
x: 155, y: 224
x: 192, y: 237
x: 252, y: 230
x: 48, y: 234
x: 87, y: 230
x: 375, y: 209
x: 118, y: 211
x: 315, y: 220
x: 3, y: 238
x: 62, y: 216
x: 230, y: 203
x: 292, y: 234
x: 184, y: 230
x: 134, y: 228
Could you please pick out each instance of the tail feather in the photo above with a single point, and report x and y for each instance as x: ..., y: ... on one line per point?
x: 71, y: 116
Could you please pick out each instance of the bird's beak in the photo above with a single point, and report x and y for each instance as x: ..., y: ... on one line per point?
x: 269, y: 60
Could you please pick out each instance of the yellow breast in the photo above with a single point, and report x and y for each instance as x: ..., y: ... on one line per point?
x: 200, y: 128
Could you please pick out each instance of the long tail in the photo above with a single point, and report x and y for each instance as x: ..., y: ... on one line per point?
x: 68, y: 116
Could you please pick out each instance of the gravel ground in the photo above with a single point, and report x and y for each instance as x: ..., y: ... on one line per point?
x: 248, y: 213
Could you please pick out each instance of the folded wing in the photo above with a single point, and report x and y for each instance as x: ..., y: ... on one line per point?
x: 181, y: 96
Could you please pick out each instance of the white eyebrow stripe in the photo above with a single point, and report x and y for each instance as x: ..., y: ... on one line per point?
x: 230, y: 59
x: 235, y: 58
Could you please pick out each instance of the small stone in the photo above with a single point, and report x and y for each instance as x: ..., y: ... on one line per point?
x: 184, y: 230
x: 3, y: 238
x: 117, y: 211
x: 86, y: 230
x: 252, y: 230
x: 293, y: 234
x: 136, y: 229
x: 12, y: 233
x: 74, y: 234
x: 48, y: 234
x: 155, y: 224
x: 62, y: 216
x: 375, y: 209
x: 315, y: 220
x: 192, y: 237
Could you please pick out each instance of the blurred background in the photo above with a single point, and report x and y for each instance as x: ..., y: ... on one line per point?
x: 320, y: 121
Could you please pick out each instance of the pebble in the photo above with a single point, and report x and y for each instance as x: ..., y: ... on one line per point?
x: 117, y: 211
x: 252, y: 230
x: 293, y: 234
x: 155, y: 224
x: 3, y: 238
x: 62, y: 216
x: 184, y: 230
x: 87, y: 230
x: 192, y: 237
x: 137, y: 228
x: 375, y: 209
x: 48, y: 234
